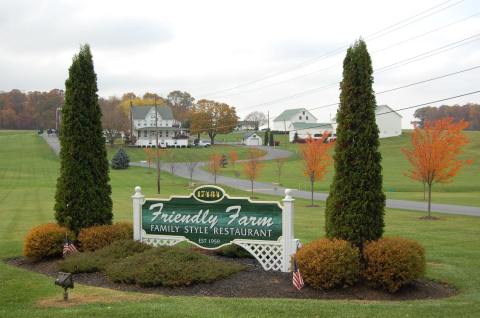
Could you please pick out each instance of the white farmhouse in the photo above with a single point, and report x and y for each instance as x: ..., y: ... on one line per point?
x: 146, y: 122
x: 252, y: 139
x: 305, y: 130
x: 299, y: 115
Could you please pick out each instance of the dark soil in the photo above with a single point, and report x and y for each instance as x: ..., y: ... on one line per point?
x: 252, y: 283
x: 429, y: 218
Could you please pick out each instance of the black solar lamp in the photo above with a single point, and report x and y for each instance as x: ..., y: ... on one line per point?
x: 64, y: 280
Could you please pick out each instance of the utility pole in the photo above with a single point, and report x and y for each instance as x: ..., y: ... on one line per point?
x: 268, y: 128
x: 131, y: 123
x: 158, y: 150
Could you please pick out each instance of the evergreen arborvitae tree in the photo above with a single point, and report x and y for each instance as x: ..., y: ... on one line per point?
x: 266, y: 137
x: 271, y: 141
x: 120, y: 160
x: 355, y: 206
x: 83, y: 191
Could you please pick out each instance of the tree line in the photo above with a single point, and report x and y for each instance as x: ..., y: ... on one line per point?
x: 38, y: 110
x: 469, y: 112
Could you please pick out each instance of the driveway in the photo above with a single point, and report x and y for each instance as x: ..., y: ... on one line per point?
x: 202, y: 176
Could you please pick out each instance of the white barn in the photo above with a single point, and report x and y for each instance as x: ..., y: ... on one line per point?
x: 299, y: 115
x: 389, y: 122
x: 252, y: 139
x: 305, y: 130
x: 170, y: 132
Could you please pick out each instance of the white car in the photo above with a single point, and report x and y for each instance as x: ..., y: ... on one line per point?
x: 203, y: 143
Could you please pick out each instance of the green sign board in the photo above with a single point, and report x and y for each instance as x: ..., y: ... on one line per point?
x: 210, y: 218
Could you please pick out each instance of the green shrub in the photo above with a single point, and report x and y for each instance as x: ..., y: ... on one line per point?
x: 96, y: 237
x: 170, y: 266
x: 233, y: 251
x: 120, y: 160
x: 328, y: 263
x: 391, y: 263
x: 45, y: 240
x: 89, y: 262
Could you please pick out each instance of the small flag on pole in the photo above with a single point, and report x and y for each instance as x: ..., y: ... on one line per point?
x: 68, y: 247
x: 297, y: 279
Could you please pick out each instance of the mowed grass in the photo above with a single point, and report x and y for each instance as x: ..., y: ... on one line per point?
x: 181, y: 154
x: 463, y: 190
x: 28, y: 172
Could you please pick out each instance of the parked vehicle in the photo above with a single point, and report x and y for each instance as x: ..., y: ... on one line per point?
x: 203, y: 143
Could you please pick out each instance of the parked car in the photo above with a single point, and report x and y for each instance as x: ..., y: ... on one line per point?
x: 203, y: 143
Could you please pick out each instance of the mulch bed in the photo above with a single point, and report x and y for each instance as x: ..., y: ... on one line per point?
x: 253, y: 282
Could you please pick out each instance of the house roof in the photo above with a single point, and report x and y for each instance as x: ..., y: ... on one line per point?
x: 153, y: 128
x: 140, y: 112
x: 302, y: 126
x: 287, y: 114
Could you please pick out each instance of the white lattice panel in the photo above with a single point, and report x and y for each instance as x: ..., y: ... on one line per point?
x: 268, y: 254
x: 160, y: 241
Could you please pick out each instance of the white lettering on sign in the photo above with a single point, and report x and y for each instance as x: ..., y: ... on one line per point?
x: 204, y: 217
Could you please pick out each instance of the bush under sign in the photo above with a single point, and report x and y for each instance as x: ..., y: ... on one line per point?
x: 210, y: 218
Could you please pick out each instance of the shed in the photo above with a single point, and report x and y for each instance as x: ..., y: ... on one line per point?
x: 252, y: 139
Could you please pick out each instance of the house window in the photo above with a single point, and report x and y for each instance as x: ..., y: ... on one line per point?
x: 145, y: 133
x: 299, y: 117
x: 303, y: 113
x: 166, y: 133
x: 306, y: 118
x: 160, y: 133
x: 317, y: 135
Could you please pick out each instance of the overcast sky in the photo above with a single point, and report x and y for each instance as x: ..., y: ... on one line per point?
x: 206, y: 47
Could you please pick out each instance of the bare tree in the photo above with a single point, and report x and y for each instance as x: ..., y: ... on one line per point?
x: 114, y: 120
x: 191, y: 165
x: 258, y: 118
x: 279, y: 163
x: 171, y: 157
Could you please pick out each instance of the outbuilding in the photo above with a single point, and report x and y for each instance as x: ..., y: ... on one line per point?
x: 252, y: 139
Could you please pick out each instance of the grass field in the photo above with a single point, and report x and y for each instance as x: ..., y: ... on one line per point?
x: 28, y: 172
x: 464, y: 189
x: 181, y: 154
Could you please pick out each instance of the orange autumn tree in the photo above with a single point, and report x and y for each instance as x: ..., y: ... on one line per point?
x: 214, y: 165
x: 434, y: 153
x: 233, y: 157
x: 252, y: 166
x: 317, y: 158
x: 150, y: 155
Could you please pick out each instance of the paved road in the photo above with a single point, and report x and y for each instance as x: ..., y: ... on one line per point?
x: 202, y: 176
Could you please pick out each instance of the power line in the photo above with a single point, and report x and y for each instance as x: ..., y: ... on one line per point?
x: 389, y: 67
x: 407, y: 85
x: 392, y: 111
x: 373, y: 36
x: 336, y: 65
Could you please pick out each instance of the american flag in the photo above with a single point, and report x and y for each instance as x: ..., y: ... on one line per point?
x: 69, y: 248
x: 297, y: 279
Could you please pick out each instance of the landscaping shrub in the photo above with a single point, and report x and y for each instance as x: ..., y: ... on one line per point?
x: 96, y: 237
x: 120, y: 160
x: 96, y: 261
x: 391, y: 263
x: 46, y: 240
x: 328, y: 263
x: 233, y: 251
x: 170, y: 266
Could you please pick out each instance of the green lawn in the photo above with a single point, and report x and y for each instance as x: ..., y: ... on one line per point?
x: 28, y: 172
x: 464, y: 190
x: 181, y: 154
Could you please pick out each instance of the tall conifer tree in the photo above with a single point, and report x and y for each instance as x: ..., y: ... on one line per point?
x: 83, y: 191
x: 355, y: 206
